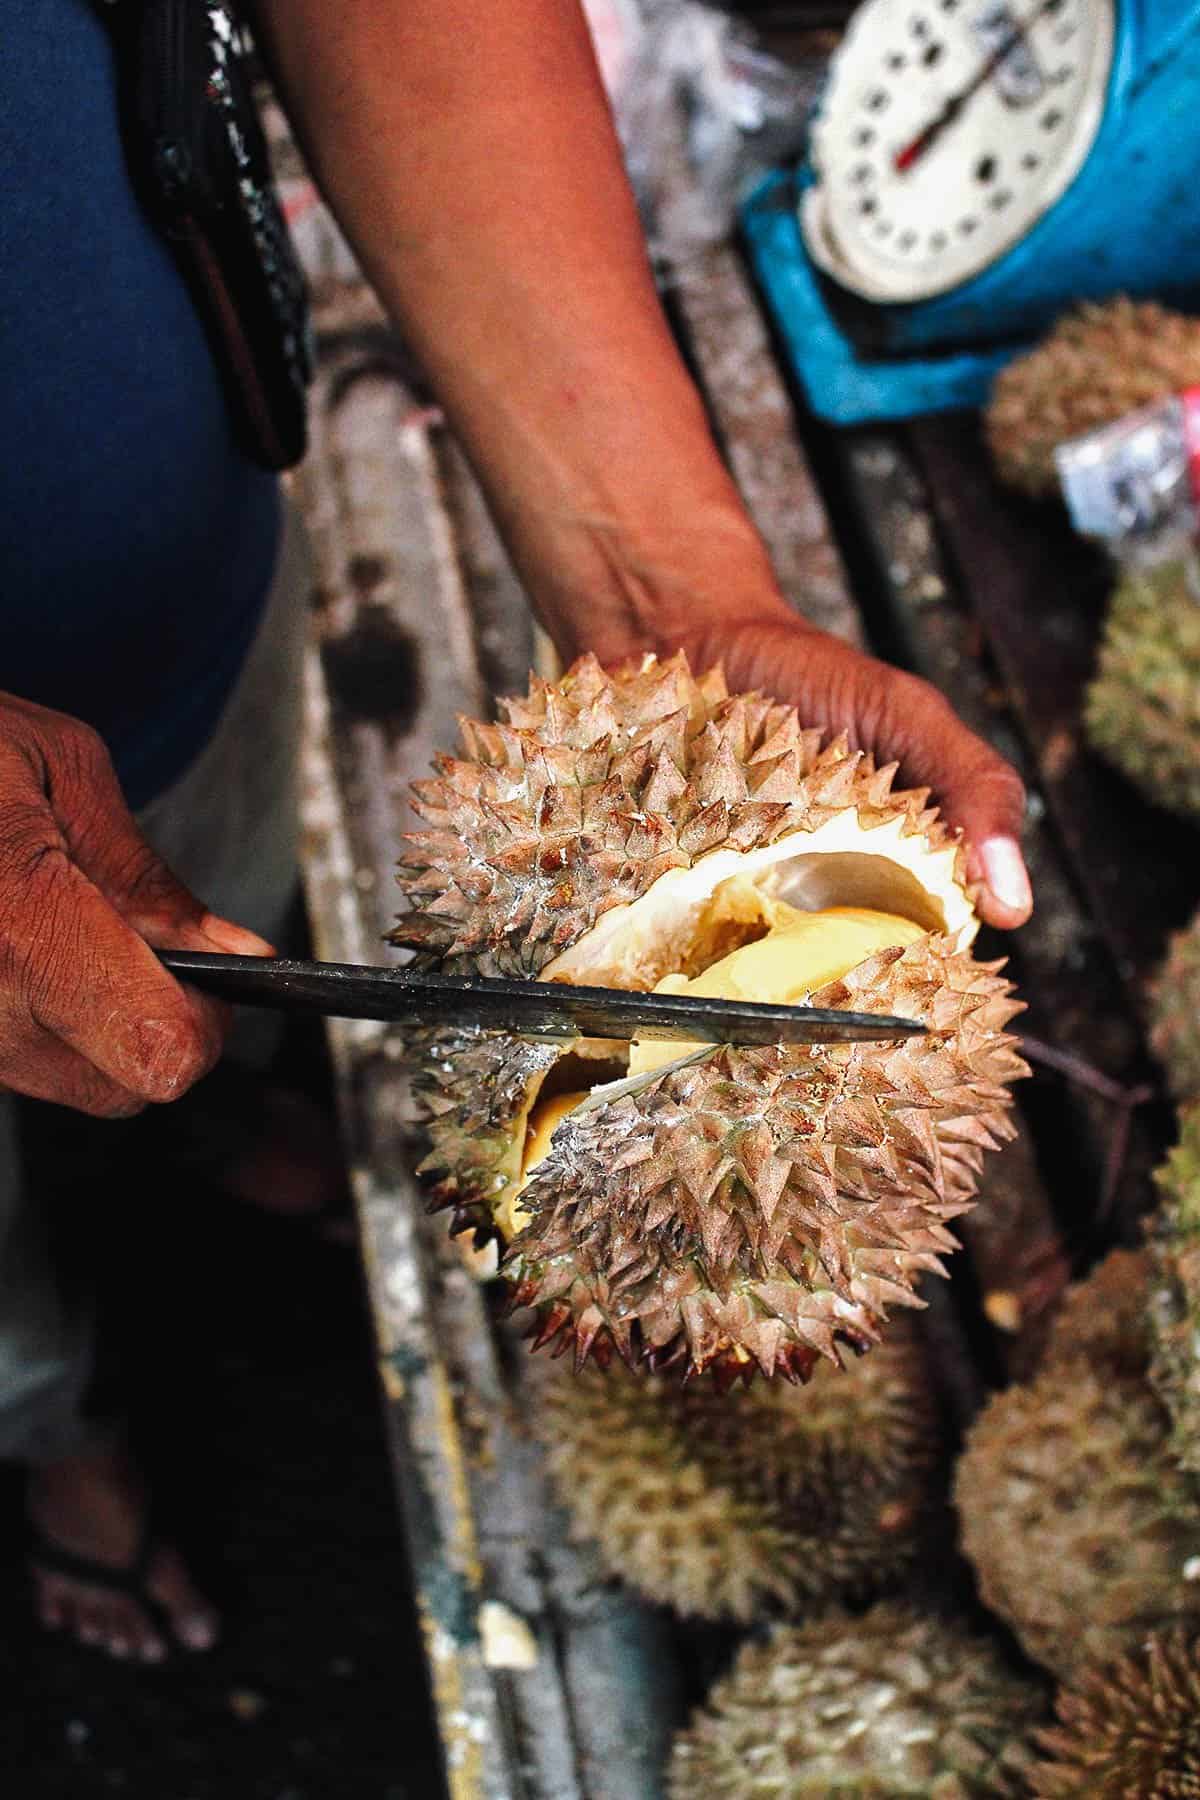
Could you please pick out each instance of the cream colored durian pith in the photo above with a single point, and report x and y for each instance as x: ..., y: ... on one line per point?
x: 771, y: 1499
x: 1127, y: 1732
x: 889, y: 1706
x: 754, y: 1207
x: 1174, y: 1309
x: 1083, y: 1530
x: 1098, y: 363
x: 1175, y: 1012
x: 1142, y: 708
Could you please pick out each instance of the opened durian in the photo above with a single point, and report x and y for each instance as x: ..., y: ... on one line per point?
x: 776, y: 1498
x: 1099, y: 363
x: 890, y: 1706
x: 1129, y: 1732
x: 737, y: 1208
x: 1083, y: 1530
x: 1174, y: 1310
x: 1175, y: 1012
x: 1143, y: 705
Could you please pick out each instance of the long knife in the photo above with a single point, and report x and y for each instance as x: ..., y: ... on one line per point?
x: 529, y: 1008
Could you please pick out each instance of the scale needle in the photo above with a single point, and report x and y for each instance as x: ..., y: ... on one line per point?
x: 915, y: 149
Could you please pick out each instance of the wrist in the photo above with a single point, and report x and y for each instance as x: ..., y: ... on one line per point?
x: 622, y: 593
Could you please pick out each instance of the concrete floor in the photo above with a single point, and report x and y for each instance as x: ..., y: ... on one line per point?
x: 245, y: 1348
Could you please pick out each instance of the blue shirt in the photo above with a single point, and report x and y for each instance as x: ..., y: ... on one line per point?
x: 136, y: 541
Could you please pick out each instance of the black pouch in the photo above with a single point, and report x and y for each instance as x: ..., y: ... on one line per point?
x: 199, y: 161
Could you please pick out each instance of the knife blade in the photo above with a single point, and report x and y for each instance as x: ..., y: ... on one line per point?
x: 531, y: 1008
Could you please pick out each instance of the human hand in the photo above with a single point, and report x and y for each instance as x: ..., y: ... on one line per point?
x: 898, y: 717
x: 88, y: 1016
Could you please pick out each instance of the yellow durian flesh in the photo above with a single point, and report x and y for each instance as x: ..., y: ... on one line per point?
x: 799, y: 952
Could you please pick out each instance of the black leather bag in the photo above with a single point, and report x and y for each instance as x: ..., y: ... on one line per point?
x: 199, y: 161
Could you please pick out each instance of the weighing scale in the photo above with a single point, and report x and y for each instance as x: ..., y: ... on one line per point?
x: 974, y: 166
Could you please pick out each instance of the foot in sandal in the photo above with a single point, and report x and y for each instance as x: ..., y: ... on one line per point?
x: 98, y: 1571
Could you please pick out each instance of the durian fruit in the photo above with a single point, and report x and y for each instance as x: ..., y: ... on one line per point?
x: 1101, y: 1319
x: 1129, y: 1732
x: 1142, y: 708
x: 1174, y: 1310
x: 887, y: 1705
x: 738, y: 1208
x: 1083, y: 1530
x: 1099, y: 362
x: 1175, y: 1013
x: 773, y: 1498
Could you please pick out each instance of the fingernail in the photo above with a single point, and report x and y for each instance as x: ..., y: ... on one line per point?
x: 235, y: 940
x: 1004, y: 873
x: 153, y: 1650
x: 197, y: 1632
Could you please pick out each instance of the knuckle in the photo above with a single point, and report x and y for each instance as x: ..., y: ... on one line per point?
x: 79, y: 748
x: 171, y: 1055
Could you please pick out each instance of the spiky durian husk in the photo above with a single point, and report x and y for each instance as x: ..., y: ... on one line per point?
x: 776, y: 1498
x: 1083, y: 1529
x: 775, y: 1202
x: 1130, y: 1732
x: 755, y: 1207
x: 1098, y: 363
x: 881, y: 1707
x: 1174, y: 1310
x: 593, y: 787
x: 1101, y: 1319
x: 1143, y: 705
x: 1175, y: 1013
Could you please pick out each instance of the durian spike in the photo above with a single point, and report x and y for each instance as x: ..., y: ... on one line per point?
x: 732, y: 1504
x: 886, y: 1705
x: 1174, y: 1303
x: 1132, y: 1729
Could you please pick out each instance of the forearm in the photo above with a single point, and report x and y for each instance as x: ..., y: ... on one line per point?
x: 470, y: 156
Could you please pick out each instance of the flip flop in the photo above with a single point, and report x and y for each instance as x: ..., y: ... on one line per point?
x: 131, y: 1579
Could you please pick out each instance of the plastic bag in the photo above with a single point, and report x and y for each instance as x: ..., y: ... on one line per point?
x: 700, y: 112
x: 1135, y: 484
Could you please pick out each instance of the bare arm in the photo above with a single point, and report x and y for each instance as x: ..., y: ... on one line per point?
x: 469, y: 153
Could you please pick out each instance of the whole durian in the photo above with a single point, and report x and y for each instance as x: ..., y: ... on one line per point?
x: 889, y: 1704
x: 1083, y: 1530
x: 1175, y: 1013
x: 776, y: 1497
x: 1129, y: 1732
x: 1174, y: 1310
x: 1142, y: 709
x: 737, y: 1208
x: 1098, y: 363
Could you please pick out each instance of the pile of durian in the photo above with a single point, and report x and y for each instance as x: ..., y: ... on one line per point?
x: 690, y: 1224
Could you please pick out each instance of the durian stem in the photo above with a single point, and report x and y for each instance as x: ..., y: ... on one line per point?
x: 1126, y: 1099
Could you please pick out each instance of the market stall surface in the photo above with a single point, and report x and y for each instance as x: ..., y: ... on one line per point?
x: 254, y: 1388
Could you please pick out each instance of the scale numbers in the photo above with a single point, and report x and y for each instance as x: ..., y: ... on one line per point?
x: 948, y: 128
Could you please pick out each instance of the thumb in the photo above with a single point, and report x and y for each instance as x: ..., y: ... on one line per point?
x: 983, y: 795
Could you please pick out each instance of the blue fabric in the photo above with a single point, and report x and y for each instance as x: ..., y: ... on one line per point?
x: 136, y: 542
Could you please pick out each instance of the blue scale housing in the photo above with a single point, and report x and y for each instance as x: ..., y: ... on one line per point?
x: 1129, y: 223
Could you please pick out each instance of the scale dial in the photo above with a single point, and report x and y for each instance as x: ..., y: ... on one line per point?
x: 947, y: 129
